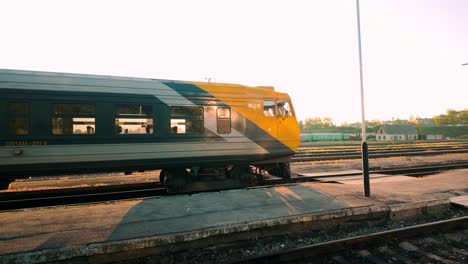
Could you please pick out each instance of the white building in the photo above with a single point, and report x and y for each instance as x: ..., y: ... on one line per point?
x: 396, y: 132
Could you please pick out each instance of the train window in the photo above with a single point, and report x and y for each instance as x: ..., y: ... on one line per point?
x: 18, y: 108
x: 283, y: 108
x: 269, y: 108
x: 134, y: 110
x: 134, y: 119
x: 18, y: 118
x: 186, y: 120
x: 74, y: 109
x: 73, y: 119
x: 223, y: 116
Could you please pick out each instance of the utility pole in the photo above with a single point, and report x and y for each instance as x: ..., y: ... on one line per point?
x: 364, y: 148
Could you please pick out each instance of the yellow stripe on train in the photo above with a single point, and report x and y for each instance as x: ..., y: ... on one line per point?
x: 249, y: 102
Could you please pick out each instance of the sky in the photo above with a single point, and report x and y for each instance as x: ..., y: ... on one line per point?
x: 413, y: 50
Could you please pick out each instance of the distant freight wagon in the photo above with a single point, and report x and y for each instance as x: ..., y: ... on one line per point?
x: 323, y: 137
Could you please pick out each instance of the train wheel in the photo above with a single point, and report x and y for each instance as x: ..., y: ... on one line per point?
x: 244, y: 175
x: 177, y: 180
x: 259, y: 177
x: 162, y: 176
x: 286, y: 171
x: 282, y: 170
x: 5, y: 183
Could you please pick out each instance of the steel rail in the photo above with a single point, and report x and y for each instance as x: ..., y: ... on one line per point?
x: 386, y: 144
x: 408, y: 171
x: 306, y: 252
x: 47, y: 198
x: 324, y: 152
x: 374, y: 155
x: 372, y: 146
x: 393, y: 152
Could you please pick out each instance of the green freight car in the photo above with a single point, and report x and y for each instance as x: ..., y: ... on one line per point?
x: 323, y: 137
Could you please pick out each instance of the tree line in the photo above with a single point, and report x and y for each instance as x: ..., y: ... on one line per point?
x: 451, y: 117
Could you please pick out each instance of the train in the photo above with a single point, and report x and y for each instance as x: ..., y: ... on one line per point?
x: 60, y: 123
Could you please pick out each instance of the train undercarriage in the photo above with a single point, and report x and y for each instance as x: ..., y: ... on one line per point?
x: 183, y: 180
x: 179, y: 180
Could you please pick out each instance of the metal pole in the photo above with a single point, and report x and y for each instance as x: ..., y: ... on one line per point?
x: 364, y: 150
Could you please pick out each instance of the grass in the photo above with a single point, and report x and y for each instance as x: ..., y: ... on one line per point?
x: 448, y: 132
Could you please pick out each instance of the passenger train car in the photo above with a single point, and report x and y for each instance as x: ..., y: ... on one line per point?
x: 55, y: 123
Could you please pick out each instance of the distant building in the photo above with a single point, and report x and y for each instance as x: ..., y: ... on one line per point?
x: 425, y: 121
x: 395, y: 122
x: 396, y: 132
x: 434, y: 137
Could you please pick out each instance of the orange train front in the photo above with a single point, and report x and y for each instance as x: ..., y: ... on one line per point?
x: 54, y: 123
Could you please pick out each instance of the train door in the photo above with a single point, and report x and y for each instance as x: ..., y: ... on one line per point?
x: 270, y: 113
x: 288, y: 129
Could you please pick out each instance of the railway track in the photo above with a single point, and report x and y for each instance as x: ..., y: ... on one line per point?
x: 85, y: 195
x: 302, y: 150
x: 319, y: 155
x: 385, y: 145
x: 437, y: 242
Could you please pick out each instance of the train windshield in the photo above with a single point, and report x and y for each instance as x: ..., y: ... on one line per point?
x: 283, y: 108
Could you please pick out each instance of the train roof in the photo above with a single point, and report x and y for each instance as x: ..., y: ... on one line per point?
x: 77, y: 82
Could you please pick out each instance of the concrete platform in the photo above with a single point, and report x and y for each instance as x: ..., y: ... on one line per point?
x: 331, y: 173
x: 80, y: 181
x: 461, y: 201
x: 344, y: 176
x: 61, y: 233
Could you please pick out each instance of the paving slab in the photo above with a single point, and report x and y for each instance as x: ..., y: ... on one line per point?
x: 398, y: 189
x: 94, y: 229
x: 461, y: 201
x: 350, y: 178
x: 330, y: 173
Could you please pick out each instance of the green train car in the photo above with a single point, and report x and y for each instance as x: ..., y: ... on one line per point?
x: 54, y: 123
x: 323, y: 137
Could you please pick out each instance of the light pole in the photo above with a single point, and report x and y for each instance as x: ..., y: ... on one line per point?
x: 364, y: 149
